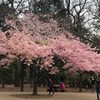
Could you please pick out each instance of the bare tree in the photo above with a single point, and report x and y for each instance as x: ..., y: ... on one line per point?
x: 95, y: 12
x: 71, y: 14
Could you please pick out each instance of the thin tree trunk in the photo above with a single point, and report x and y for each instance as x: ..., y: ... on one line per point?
x: 22, y: 76
x: 3, y: 79
x: 31, y: 75
x: 80, y: 84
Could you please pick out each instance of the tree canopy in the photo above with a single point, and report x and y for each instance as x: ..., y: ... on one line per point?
x: 36, y: 40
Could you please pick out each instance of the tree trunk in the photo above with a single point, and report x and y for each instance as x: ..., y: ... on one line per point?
x: 16, y: 65
x: 16, y: 75
x: 80, y: 87
x: 3, y: 79
x: 28, y: 75
x: 80, y: 84
x: 22, y: 76
x: 35, y: 87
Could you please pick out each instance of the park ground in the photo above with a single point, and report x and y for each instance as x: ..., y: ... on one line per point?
x: 57, y: 96
x: 13, y: 93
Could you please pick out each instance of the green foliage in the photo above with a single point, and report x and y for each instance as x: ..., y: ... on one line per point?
x: 9, y: 76
x: 8, y: 73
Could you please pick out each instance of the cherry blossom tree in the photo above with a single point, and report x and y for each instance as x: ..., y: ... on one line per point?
x: 35, y: 42
x: 78, y: 57
x: 22, y: 46
x: 81, y: 56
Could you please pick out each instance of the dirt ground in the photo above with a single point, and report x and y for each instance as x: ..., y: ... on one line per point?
x: 28, y: 88
x: 13, y: 93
